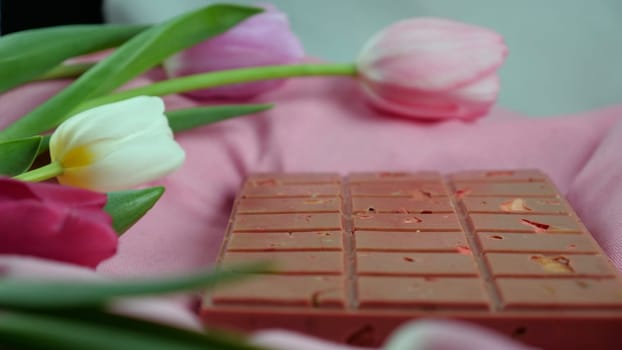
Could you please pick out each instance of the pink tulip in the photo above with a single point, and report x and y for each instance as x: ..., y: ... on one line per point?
x: 431, y: 68
x: 264, y: 39
x: 55, y: 222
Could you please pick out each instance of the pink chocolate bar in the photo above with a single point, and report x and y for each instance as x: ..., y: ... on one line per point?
x: 357, y: 256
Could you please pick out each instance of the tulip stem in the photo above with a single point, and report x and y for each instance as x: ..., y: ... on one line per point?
x: 228, y: 77
x: 66, y: 71
x: 41, y: 174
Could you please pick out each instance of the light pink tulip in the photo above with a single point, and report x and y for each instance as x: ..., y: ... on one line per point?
x: 432, y: 68
x: 264, y: 39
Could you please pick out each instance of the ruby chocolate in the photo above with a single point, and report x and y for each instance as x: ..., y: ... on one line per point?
x: 357, y: 256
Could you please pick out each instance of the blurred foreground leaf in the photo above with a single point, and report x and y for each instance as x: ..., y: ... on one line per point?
x: 98, y: 330
x: 30, y: 294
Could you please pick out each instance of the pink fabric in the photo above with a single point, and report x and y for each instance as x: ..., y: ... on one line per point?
x: 322, y: 124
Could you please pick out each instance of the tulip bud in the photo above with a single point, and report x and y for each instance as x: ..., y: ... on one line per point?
x: 432, y: 69
x: 55, y: 222
x: 116, y: 146
x: 264, y: 39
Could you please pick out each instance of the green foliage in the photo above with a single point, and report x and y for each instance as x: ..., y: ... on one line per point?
x: 36, y: 314
x: 188, y: 118
x: 133, y: 58
x: 28, y: 54
x: 87, y: 328
x: 127, y: 207
x: 18, y: 294
x: 16, y: 156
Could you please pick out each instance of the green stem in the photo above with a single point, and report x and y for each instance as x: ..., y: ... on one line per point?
x: 228, y: 77
x: 41, y: 174
x: 64, y: 71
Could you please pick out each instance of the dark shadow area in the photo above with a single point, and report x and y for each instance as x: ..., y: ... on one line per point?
x: 17, y: 15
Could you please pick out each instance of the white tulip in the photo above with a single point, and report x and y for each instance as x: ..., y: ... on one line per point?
x: 116, y: 146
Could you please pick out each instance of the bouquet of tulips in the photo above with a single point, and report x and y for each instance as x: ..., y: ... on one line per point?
x: 82, y: 167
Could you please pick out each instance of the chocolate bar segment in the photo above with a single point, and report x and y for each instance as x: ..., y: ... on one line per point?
x: 284, y: 241
x: 525, y: 224
x: 542, y: 242
x: 288, y: 205
x: 361, y: 205
x: 292, y: 190
x: 395, y: 177
x: 415, y: 264
x: 504, y: 189
x: 357, y: 256
x: 277, y: 290
x: 390, y: 241
x: 488, y: 176
x: 296, y: 222
x: 514, y: 205
x: 546, y: 265
x: 563, y: 295
x: 407, y: 189
x: 273, y: 179
x: 287, y: 222
x: 421, y: 293
x: 405, y: 222
x: 300, y: 263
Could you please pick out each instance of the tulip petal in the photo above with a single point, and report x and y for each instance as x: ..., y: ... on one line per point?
x: 88, y: 127
x: 431, y: 68
x: 243, y: 46
x: 466, y: 103
x: 55, y: 232
x: 485, y: 90
x: 264, y: 39
x: 63, y: 195
x: 116, y: 146
x: 89, y: 203
x: 11, y: 190
x: 432, y: 54
x: 136, y: 159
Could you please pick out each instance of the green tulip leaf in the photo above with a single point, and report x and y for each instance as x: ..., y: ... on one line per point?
x: 17, y: 156
x: 131, y: 59
x: 127, y: 207
x: 45, y: 144
x: 99, y: 330
x: 33, y: 294
x: 28, y: 54
x: 65, y: 71
x: 188, y: 118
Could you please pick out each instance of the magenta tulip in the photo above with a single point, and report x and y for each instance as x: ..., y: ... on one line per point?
x: 431, y: 68
x: 264, y: 39
x: 55, y: 222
